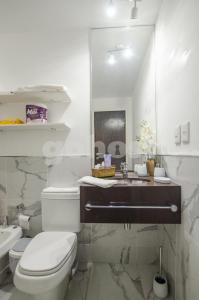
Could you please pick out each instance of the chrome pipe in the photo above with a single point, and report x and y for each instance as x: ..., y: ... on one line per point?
x: 127, y: 226
x: 88, y: 207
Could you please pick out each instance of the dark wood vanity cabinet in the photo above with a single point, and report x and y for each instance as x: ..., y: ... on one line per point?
x: 149, y: 204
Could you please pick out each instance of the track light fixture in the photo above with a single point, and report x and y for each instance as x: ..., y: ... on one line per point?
x: 111, y: 9
x: 134, y: 11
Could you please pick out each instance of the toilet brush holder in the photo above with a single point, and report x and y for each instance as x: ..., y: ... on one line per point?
x: 160, y: 286
x: 160, y: 283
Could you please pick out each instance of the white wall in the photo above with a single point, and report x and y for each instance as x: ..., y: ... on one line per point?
x: 177, y: 48
x: 48, y: 58
x: 144, y: 101
x: 116, y: 104
x: 177, y: 74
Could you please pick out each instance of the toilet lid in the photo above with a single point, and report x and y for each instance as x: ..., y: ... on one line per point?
x: 21, y: 244
x: 47, y: 252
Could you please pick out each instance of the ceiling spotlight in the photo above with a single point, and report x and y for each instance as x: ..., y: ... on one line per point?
x: 127, y: 53
x: 111, y: 60
x: 134, y: 11
x: 111, y: 9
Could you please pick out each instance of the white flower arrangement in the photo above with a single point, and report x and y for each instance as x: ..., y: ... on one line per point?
x: 146, y: 139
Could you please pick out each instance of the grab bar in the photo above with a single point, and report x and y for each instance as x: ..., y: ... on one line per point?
x: 89, y: 207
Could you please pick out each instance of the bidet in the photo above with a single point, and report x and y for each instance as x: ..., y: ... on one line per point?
x: 8, y: 237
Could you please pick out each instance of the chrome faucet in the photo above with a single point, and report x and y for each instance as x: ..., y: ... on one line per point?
x: 124, y: 169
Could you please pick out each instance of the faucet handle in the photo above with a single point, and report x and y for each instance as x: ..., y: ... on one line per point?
x: 124, y: 169
x: 123, y: 165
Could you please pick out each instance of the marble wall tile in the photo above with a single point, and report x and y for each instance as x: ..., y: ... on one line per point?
x: 148, y: 241
x: 2, y: 176
x: 65, y: 171
x: 192, y: 269
x: 146, y: 255
x: 23, y: 178
x: 169, y: 254
x: 185, y: 247
x: 111, y: 243
x: 147, y: 234
x: 26, y: 177
x: 3, y: 189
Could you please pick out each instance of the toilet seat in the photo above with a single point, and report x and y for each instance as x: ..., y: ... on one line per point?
x: 47, y: 253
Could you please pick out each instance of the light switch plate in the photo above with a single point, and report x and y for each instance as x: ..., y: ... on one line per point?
x: 185, y: 132
x: 178, y: 135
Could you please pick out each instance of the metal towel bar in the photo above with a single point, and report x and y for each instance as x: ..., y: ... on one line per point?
x: 88, y: 207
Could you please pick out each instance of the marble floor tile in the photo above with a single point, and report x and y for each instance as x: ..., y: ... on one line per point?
x: 106, y: 281
x: 9, y: 292
x: 78, y: 287
x: 103, y: 281
x: 146, y: 273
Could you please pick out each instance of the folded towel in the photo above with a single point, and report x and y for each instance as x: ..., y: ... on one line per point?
x: 42, y: 88
x: 162, y: 180
x: 103, y: 183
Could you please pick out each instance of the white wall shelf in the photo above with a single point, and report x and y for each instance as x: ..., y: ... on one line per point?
x: 25, y: 127
x: 34, y: 97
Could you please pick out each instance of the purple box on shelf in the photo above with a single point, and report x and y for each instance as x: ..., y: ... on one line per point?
x: 36, y: 114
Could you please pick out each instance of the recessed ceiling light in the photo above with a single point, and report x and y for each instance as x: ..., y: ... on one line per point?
x: 127, y: 53
x: 111, y: 60
x: 111, y: 9
x: 120, y: 47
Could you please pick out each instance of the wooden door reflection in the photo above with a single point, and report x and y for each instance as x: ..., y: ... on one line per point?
x: 110, y: 136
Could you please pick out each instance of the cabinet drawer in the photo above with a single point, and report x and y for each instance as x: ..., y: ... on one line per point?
x: 159, y: 205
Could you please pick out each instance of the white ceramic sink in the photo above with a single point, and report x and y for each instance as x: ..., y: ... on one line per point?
x: 8, y: 237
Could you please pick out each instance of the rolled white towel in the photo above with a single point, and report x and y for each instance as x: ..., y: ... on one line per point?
x: 103, y: 183
x: 42, y: 88
x: 162, y: 180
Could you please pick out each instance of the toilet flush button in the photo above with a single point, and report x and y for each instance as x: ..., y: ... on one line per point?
x: 185, y: 133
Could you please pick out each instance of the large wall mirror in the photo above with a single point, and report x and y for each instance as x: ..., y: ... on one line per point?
x: 123, y: 93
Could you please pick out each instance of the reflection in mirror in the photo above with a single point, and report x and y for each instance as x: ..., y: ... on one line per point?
x: 123, y: 93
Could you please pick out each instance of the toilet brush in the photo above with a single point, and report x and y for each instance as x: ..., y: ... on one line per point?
x: 160, y: 283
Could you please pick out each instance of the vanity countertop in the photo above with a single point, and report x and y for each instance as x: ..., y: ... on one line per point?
x: 134, y: 180
x: 132, y: 200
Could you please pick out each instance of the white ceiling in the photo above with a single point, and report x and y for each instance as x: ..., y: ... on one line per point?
x: 38, y: 15
x: 21, y: 16
x: 117, y: 81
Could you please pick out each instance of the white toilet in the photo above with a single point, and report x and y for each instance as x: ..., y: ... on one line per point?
x: 44, y: 268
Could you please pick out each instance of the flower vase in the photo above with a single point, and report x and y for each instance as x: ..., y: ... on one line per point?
x: 150, y: 164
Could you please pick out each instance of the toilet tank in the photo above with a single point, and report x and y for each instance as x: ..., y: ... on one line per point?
x: 60, y: 209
